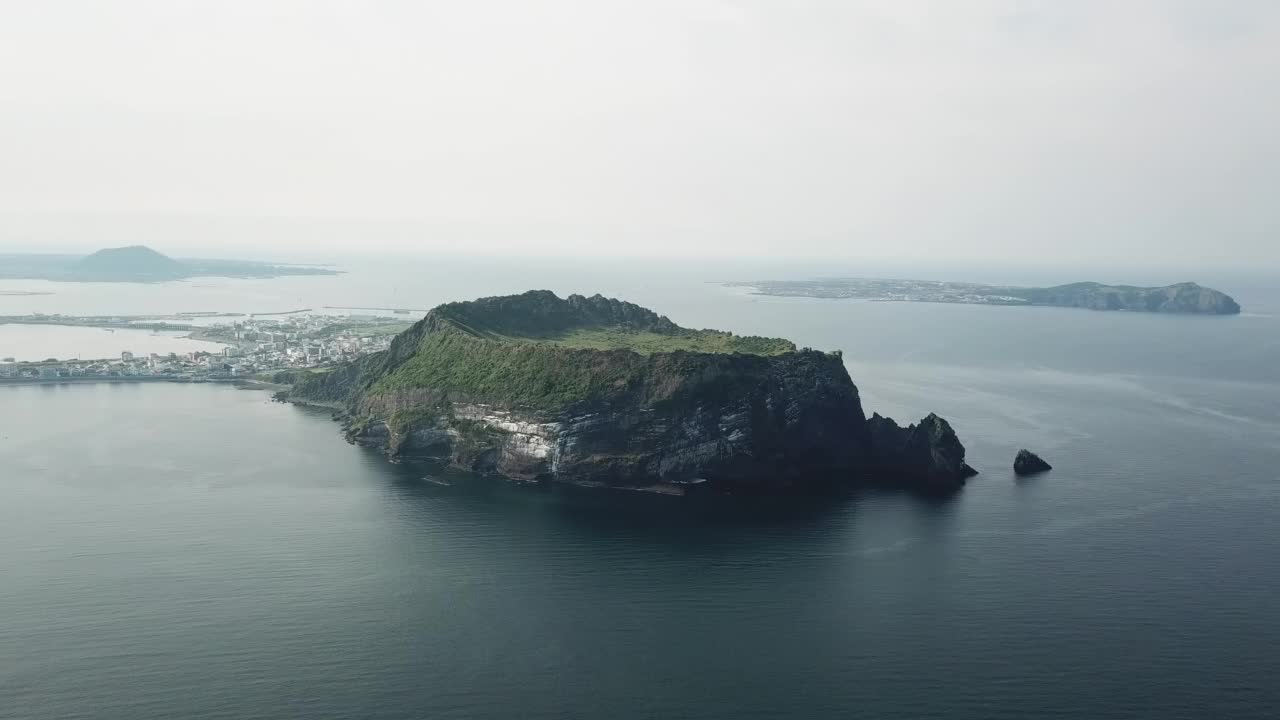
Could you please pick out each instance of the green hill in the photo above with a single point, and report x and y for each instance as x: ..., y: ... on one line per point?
x: 591, y: 390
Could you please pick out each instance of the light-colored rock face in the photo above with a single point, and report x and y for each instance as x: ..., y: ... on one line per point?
x: 521, y: 437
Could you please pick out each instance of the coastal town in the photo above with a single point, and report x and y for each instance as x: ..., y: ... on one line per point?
x: 253, y: 347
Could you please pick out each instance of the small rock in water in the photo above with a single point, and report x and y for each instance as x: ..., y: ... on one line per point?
x: 1029, y: 463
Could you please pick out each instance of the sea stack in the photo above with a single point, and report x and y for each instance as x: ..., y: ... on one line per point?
x: 1029, y: 463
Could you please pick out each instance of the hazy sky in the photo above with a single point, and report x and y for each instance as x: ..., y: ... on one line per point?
x: 1109, y: 131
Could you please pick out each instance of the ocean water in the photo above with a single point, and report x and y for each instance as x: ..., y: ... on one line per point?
x: 201, y: 552
x: 40, y: 342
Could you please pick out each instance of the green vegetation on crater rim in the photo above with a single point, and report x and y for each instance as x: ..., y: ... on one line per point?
x: 595, y: 323
x: 549, y: 354
x: 647, y: 343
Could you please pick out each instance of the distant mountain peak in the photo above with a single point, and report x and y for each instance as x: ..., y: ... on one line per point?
x: 140, y: 264
x: 130, y: 252
x: 135, y: 262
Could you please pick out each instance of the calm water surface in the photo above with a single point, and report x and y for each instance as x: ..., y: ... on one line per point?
x: 62, y: 342
x: 197, y: 551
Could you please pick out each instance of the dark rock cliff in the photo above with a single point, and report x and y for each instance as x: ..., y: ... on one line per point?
x: 497, y: 386
x: 928, y: 453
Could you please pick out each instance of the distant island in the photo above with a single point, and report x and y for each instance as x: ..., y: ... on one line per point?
x: 1188, y: 297
x: 139, y: 264
x: 596, y: 392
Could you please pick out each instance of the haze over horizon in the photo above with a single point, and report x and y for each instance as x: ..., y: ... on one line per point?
x: 990, y: 131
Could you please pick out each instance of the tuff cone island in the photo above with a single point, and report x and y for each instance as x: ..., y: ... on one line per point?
x: 602, y: 393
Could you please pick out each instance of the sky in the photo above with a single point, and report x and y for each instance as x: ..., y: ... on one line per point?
x: 1116, y: 132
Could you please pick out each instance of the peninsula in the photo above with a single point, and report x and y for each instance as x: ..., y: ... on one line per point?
x: 597, y: 392
x: 139, y: 264
x: 1184, y: 298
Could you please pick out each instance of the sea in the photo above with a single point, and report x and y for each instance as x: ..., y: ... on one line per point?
x: 198, y: 551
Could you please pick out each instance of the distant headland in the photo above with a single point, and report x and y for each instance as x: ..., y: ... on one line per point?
x: 1184, y: 298
x: 139, y: 264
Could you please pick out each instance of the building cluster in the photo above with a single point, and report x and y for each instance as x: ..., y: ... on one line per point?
x: 252, y: 347
x: 301, y: 341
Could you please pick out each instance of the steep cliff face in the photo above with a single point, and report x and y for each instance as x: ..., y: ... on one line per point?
x: 538, y: 388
